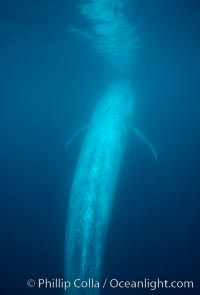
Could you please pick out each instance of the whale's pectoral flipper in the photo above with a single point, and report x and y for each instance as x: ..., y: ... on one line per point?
x: 146, y: 141
x: 75, y: 134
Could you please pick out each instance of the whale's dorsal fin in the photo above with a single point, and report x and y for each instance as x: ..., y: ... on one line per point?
x: 146, y: 141
x: 75, y: 135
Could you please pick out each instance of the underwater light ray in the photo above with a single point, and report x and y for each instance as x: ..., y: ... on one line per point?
x: 110, y: 32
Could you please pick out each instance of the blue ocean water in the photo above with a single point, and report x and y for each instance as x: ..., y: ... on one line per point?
x: 50, y: 84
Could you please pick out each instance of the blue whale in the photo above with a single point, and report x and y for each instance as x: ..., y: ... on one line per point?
x: 94, y: 185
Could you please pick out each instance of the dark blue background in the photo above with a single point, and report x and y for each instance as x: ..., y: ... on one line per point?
x: 50, y: 83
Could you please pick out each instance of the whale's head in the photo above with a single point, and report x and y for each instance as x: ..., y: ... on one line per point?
x: 116, y: 106
x: 121, y: 97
